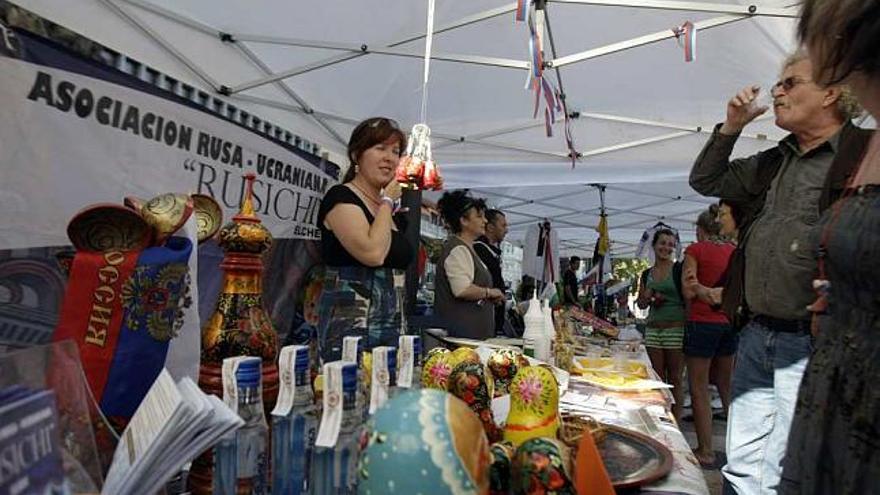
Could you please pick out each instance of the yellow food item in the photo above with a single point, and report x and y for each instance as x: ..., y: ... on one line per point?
x: 605, y: 366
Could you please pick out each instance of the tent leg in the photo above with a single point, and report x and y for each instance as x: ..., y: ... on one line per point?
x: 412, y: 199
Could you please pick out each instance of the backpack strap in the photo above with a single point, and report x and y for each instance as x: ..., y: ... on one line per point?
x: 677, y: 268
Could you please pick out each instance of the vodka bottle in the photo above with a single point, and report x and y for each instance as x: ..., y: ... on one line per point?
x: 294, y: 424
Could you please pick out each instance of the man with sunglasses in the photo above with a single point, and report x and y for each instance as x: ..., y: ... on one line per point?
x: 786, y: 186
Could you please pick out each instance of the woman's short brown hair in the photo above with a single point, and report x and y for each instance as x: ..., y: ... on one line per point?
x: 843, y: 35
x: 708, y: 221
x: 367, y: 134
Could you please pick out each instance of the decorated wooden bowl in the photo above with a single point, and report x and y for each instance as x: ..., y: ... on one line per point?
x: 166, y: 214
x: 209, y: 216
x: 134, y: 202
x: 108, y: 227
x: 424, y: 441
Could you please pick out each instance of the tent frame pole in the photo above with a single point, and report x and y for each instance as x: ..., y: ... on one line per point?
x: 397, y: 52
x: 159, y: 40
x: 640, y: 41
x: 471, y: 19
x: 718, y: 8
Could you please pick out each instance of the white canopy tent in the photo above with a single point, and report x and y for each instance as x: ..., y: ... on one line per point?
x: 642, y: 113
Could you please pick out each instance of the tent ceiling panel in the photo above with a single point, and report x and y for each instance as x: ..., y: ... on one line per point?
x: 643, y: 163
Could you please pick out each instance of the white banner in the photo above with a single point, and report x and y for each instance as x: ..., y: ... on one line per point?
x: 67, y: 141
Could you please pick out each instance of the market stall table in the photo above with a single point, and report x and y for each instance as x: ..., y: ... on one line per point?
x: 647, y: 412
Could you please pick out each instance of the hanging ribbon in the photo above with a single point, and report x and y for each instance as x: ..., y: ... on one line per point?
x: 545, y: 90
x: 686, y: 34
x: 522, y: 9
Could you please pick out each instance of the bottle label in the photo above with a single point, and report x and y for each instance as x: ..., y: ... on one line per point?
x: 331, y: 419
x: 290, y: 377
x: 350, y: 349
x: 230, y: 382
x: 407, y: 359
x: 383, y: 367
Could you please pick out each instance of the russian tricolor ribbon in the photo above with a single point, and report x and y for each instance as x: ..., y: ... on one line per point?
x: 522, y: 9
x: 686, y: 34
x: 122, y: 308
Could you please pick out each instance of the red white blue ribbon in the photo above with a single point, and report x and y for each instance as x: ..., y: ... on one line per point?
x: 686, y: 34
x: 522, y: 9
x: 545, y: 91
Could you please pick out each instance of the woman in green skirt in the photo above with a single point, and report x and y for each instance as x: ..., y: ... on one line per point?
x: 660, y: 290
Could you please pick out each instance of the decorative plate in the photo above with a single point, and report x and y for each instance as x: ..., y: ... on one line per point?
x: 633, y: 459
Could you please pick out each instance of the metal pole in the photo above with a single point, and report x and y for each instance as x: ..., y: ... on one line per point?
x: 412, y: 199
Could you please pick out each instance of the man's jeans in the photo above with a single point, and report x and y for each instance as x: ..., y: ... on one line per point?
x: 769, y: 368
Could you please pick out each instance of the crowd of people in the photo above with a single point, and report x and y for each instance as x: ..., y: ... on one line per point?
x: 776, y: 303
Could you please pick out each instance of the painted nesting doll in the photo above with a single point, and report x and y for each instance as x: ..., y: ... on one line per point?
x: 504, y: 363
x: 539, y: 467
x: 437, y: 367
x: 534, y: 405
x: 464, y: 354
x: 424, y: 441
x: 472, y: 383
x: 501, y: 470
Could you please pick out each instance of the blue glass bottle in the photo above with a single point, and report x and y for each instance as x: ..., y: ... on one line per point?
x: 293, y: 434
x: 334, y: 469
x: 246, y: 454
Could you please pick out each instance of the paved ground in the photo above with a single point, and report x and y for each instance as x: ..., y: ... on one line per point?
x: 719, y: 427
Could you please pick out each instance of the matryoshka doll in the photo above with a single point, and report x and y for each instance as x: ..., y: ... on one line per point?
x: 539, y: 467
x: 534, y: 405
x: 472, y: 383
x: 464, y: 354
x: 502, y: 468
x: 424, y: 441
x: 437, y: 367
x: 504, y: 363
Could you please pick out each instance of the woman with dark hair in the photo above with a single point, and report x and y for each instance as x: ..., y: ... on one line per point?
x: 660, y: 290
x: 361, y: 244
x: 833, y: 446
x: 464, y: 298
x: 709, y: 340
x: 730, y: 217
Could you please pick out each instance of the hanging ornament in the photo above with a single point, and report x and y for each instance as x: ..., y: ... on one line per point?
x: 417, y: 168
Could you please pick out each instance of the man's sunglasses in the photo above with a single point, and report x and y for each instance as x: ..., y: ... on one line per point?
x: 789, y: 82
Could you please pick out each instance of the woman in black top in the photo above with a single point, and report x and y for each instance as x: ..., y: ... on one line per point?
x: 361, y: 244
